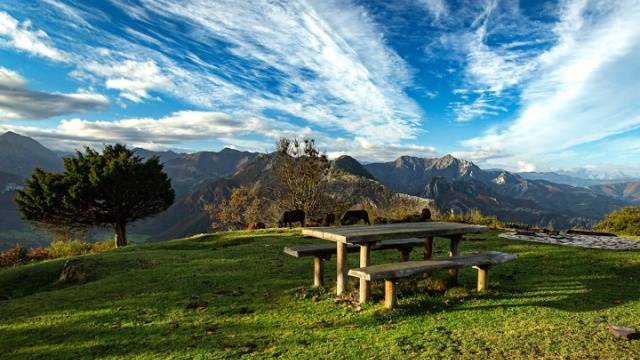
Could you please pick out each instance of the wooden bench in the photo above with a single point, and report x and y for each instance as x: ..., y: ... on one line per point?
x: 392, y: 273
x: 323, y: 252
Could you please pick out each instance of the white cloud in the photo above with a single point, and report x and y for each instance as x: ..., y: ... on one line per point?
x: 134, y: 79
x: 525, y: 167
x: 20, y: 36
x: 10, y: 79
x: 170, y: 131
x: 365, y: 150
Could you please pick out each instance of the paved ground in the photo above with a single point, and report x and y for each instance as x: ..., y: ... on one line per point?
x: 588, y: 241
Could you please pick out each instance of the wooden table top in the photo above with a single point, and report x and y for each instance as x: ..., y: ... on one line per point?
x: 373, y: 233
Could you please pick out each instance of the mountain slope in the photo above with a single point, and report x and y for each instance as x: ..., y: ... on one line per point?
x: 20, y: 155
x: 460, y: 186
x: 409, y: 175
x: 628, y: 192
x: 190, y: 171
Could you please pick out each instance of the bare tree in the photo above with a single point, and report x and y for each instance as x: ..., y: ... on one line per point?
x: 301, y: 170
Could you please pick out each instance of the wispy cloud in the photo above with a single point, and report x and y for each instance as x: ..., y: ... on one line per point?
x: 582, y: 91
x: 326, y: 63
x: 497, y: 48
x: 436, y: 8
x: 19, y: 103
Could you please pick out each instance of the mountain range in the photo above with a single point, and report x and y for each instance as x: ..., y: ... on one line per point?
x: 447, y: 183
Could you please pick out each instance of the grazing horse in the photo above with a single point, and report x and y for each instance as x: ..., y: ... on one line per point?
x: 328, y: 219
x: 426, y: 214
x: 354, y: 216
x: 256, y: 225
x: 291, y: 216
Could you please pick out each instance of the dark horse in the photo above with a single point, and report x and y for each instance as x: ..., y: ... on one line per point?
x: 426, y: 214
x: 354, y: 216
x: 291, y: 216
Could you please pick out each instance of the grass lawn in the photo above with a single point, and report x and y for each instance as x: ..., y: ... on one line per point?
x: 237, y: 295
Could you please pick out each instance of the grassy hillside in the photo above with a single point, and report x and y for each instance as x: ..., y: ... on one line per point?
x: 237, y: 295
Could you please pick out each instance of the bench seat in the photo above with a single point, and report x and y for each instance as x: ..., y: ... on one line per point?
x: 394, y: 272
x: 323, y: 252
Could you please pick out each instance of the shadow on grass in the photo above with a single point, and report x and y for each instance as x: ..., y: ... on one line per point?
x: 567, y: 279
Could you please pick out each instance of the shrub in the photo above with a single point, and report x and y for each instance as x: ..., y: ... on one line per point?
x: 625, y: 221
x: 103, y: 246
x: 18, y: 255
x: 62, y: 248
x: 38, y: 254
x: 14, y: 256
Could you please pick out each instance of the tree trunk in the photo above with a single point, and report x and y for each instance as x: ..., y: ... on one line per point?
x: 121, y: 235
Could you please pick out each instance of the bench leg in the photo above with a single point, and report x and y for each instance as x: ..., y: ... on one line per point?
x: 406, y: 253
x: 318, y: 270
x: 365, y: 260
x: 343, y: 269
x: 428, y: 247
x: 483, y: 277
x: 390, y: 294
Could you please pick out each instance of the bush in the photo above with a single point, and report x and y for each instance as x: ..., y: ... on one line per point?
x: 18, y: 255
x: 38, y: 254
x: 62, y: 248
x: 103, y: 246
x: 625, y: 221
x: 14, y: 256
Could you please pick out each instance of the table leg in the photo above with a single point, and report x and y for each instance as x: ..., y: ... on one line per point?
x: 365, y: 260
x: 428, y: 247
x: 456, y: 241
x: 343, y: 268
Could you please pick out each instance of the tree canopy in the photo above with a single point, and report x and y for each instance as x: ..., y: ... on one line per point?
x: 111, y: 189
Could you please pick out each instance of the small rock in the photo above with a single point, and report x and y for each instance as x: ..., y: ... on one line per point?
x: 71, y: 272
x: 624, y: 332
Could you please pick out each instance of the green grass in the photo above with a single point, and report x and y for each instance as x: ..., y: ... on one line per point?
x: 237, y: 295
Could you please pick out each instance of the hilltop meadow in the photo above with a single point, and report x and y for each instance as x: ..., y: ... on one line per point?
x: 237, y: 295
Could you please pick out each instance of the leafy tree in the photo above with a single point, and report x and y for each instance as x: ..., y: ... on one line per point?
x: 244, y: 207
x: 111, y: 189
x: 625, y: 221
x: 301, y: 171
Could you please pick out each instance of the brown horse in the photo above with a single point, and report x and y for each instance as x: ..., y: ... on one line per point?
x: 328, y: 219
x: 256, y: 225
x: 291, y: 216
x: 354, y: 216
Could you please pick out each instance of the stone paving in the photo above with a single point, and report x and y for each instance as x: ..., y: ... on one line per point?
x: 587, y: 241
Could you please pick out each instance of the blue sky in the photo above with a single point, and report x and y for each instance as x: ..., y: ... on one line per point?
x: 518, y: 85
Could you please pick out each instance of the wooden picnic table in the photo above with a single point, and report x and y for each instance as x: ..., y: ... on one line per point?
x: 367, y: 237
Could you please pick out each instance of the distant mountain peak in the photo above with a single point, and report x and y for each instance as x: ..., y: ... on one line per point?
x: 351, y: 165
